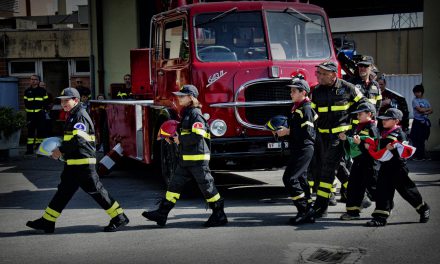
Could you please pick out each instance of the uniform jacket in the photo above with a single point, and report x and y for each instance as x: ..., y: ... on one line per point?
x: 334, y: 105
x: 388, y: 136
x: 195, y: 138
x: 369, y: 129
x: 35, y: 100
x: 302, y: 128
x: 78, y: 145
x: 371, y: 91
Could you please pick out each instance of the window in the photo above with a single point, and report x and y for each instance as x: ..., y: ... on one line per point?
x: 22, y: 68
x: 176, y: 40
x: 81, y: 67
x: 294, y: 38
x: 230, y: 36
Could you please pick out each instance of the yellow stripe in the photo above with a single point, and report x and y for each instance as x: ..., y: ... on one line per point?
x: 164, y: 133
x: 363, y: 132
x: 325, y: 185
x: 311, y: 183
x: 299, y: 112
x: 391, y: 137
x: 270, y: 126
x: 372, y: 100
x: 323, y: 109
x: 30, y: 140
x: 355, y: 121
x: 313, y: 105
x: 46, y: 97
x: 114, y: 210
x: 358, y: 97
x: 302, y: 195
x: 81, y: 161
x: 184, y: 132
x: 84, y: 135
x: 52, y: 212
x: 339, y: 107
x: 197, y: 157
x: 48, y: 217
x: 381, y: 212
x: 323, y: 194
x: 379, y: 97
x: 307, y: 123
x: 201, y: 132
x: 172, y: 196
x: 29, y: 99
x: 214, y: 198
x: 345, y: 184
x: 39, y: 98
x: 32, y: 110
x: 341, y: 129
x: 353, y: 208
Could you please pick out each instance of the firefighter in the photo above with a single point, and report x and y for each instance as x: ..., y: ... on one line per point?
x: 36, y: 102
x: 364, y: 168
x: 393, y: 174
x: 301, y: 132
x: 194, y: 155
x: 333, y: 99
x: 78, y: 152
x: 125, y: 92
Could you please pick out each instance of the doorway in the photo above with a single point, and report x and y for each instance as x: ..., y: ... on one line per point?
x: 56, y: 76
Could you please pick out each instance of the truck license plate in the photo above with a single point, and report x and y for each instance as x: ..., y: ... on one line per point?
x: 277, y: 145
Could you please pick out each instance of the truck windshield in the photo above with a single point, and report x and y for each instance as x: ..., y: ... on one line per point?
x: 234, y: 36
x: 294, y: 38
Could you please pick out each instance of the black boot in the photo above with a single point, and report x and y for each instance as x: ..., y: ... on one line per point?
x: 42, y: 224
x: 305, y: 213
x: 116, y: 223
x: 160, y: 215
x: 424, y: 212
x: 320, y: 207
x: 218, y: 216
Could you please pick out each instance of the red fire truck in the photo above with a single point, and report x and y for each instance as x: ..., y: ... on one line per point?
x: 240, y: 55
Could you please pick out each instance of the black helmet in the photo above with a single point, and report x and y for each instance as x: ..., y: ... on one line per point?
x: 276, y: 123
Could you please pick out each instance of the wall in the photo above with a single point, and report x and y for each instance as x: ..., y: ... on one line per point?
x: 394, y: 51
x: 120, y: 34
x: 431, y: 67
x: 47, y: 44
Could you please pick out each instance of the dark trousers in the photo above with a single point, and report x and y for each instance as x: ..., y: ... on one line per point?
x: 393, y: 175
x: 328, y: 160
x: 295, y: 175
x: 419, y: 134
x: 83, y: 176
x: 202, y: 175
x: 363, y: 175
x: 36, y: 128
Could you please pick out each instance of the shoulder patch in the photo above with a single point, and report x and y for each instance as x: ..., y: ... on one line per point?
x: 80, y: 126
x: 198, y: 125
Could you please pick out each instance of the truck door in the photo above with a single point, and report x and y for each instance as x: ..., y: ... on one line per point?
x: 172, y: 65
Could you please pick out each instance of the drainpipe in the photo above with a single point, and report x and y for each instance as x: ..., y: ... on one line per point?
x: 92, y: 54
x: 100, y: 45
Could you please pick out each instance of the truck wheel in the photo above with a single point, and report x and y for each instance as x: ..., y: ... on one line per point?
x: 168, y: 160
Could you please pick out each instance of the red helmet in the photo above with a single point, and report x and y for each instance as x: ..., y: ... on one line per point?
x: 168, y: 129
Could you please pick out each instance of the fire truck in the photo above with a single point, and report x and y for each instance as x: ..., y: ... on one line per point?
x: 240, y: 55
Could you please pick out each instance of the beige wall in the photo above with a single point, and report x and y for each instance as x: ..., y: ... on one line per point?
x: 120, y: 34
x: 47, y: 44
x: 431, y: 67
x: 395, y: 52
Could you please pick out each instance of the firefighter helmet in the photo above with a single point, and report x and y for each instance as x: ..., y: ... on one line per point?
x: 276, y: 123
x: 48, y: 145
x: 168, y: 129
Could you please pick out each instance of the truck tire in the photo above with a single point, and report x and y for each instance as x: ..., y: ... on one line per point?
x: 168, y: 160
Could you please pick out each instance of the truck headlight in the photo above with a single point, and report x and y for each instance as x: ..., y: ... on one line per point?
x: 218, y: 127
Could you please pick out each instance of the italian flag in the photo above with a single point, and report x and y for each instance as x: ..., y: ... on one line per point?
x: 405, y: 151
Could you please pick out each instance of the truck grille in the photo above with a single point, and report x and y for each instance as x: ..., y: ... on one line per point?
x: 271, y: 91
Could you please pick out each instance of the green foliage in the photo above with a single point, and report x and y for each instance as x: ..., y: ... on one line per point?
x: 11, y: 121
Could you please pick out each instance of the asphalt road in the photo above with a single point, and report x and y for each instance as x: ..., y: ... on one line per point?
x: 258, y: 211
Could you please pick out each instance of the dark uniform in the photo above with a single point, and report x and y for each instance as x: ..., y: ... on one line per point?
x: 124, y: 93
x: 301, y: 141
x: 194, y: 156
x: 393, y: 175
x: 370, y: 90
x: 333, y: 105
x: 36, y: 101
x: 364, y: 169
x: 78, y: 149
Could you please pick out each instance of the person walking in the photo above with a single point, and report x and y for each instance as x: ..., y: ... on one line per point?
x: 194, y: 155
x: 78, y: 152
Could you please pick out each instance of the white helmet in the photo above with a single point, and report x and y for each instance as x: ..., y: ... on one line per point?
x: 48, y: 145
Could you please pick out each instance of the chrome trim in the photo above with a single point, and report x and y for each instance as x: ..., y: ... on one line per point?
x: 236, y: 104
x: 139, y: 132
x: 124, y: 102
